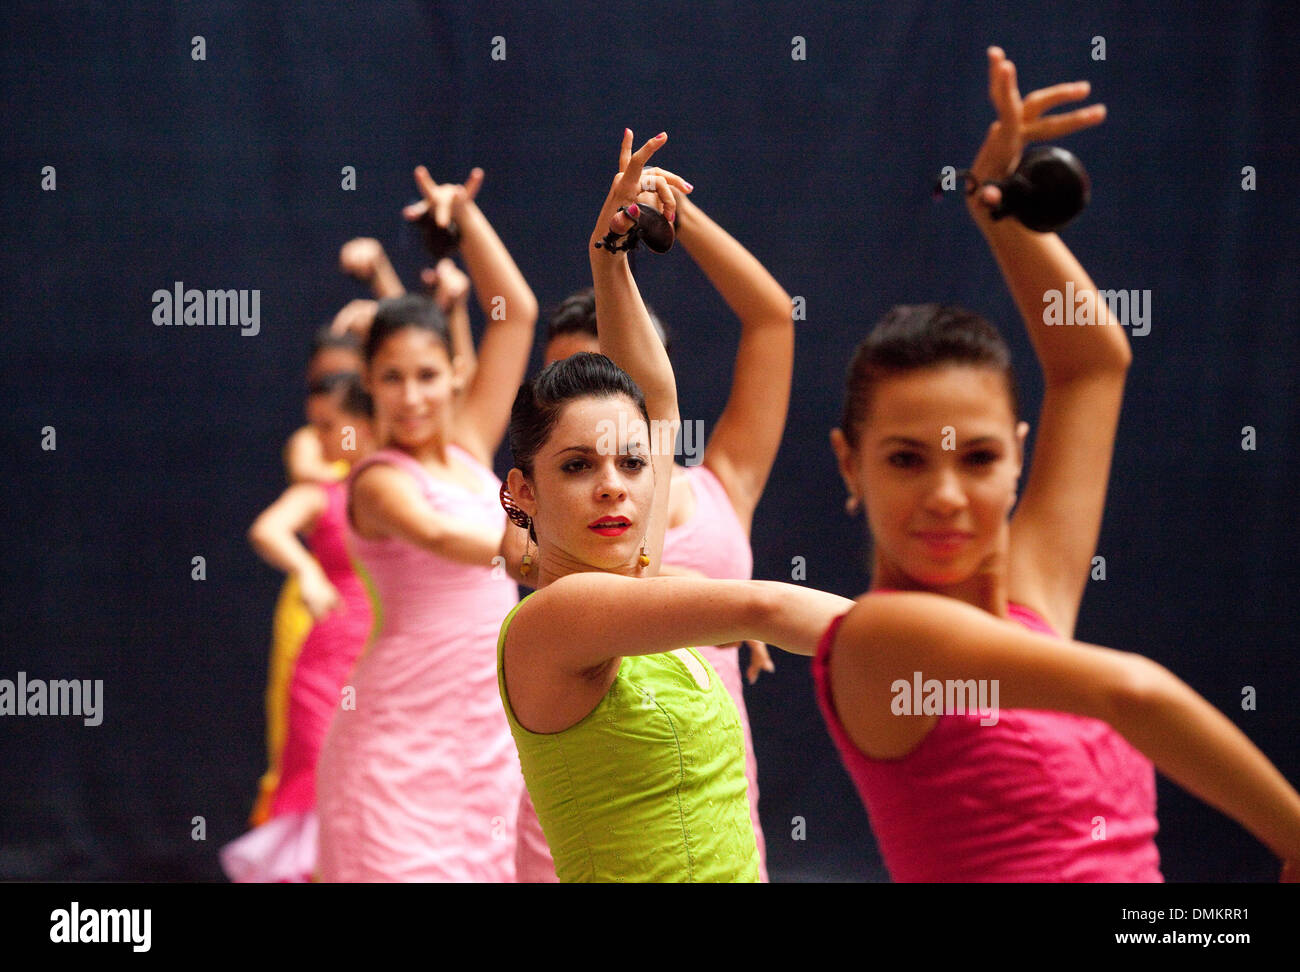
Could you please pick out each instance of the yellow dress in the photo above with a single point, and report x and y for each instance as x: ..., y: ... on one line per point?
x: 289, y: 628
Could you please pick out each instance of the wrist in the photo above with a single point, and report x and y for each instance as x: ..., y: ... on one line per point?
x: 468, y: 215
x: 307, y: 571
x: 605, y: 262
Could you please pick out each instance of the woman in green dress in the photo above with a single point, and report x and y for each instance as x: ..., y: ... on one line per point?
x: 630, y: 745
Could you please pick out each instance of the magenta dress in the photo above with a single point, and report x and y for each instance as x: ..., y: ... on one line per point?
x: 713, y: 542
x: 284, y: 848
x: 1038, y: 797
x: 420, y: 781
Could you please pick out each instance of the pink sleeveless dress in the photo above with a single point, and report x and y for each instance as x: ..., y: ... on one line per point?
x: 713, y: 542
x: 284, y: 848
x: 1038, y: 797
x: 420, y: 781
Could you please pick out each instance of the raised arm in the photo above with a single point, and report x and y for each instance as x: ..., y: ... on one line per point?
x: 508, y: 305
x: 888, y: 637
x: 1056, y: 524
x: 364, y: 258
x: 745, y: 440
x: 274, y: 535
x: 449, y: 288
x: 628, y: 338
x: 386, y: 502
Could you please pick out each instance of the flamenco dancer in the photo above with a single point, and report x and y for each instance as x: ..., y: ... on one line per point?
x: 1049, y: 791
x: 284, y: 847
x: 631, y: 746
x: 711, y: 504
x: 333, y: 359
x: 420, y: 781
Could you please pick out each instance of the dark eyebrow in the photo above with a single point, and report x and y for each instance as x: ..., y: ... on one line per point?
x: 918, y: 444
x: 588, y: 450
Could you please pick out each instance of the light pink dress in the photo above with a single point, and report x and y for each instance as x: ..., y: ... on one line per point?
x: 421, y: 781
x: 713, y: 542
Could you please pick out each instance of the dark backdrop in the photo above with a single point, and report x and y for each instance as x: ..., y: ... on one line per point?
x: 225, y: 173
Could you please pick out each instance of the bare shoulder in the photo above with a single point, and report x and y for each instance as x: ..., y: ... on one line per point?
x: 863, y: 666
x: 565, y: 600
x: 545, y: 695
x: 379, y: 478
x: 378, y: 492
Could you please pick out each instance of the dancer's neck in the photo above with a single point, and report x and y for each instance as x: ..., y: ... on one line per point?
x: 986, y: 589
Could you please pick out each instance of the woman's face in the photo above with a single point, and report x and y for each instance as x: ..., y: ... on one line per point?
x: 412, y: 380
x: 343, y: 436
x: 937, y: 461
x: 590, y: 494
x: 566, y: 345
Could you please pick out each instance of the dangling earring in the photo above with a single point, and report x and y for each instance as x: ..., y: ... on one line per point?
x: 521, y: 519
x: 851, y: 504
x: 644, y: 559
x: 526, y: 565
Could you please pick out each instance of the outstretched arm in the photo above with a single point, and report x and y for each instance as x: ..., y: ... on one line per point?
x: 646, y: 616
x: 1056, y: 524
x: 887, y: 637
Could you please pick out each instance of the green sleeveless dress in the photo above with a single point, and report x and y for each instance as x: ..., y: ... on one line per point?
x: 650, y: 786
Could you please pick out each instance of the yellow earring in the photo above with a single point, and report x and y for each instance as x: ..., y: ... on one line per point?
x: 644, y: 559
x: 526, y: 565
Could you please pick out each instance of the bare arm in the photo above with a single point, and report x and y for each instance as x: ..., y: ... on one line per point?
x: 364, y: 258
x: 449, y: 288
x: 747, y: 436
x: 386, y: 502
x: 646, y: 616
x: 274, y: 535
x: 304, y: 459
x: 508, y: 305
x: 628, y: 338
x: 1058, y: 519
x: 887, y: 637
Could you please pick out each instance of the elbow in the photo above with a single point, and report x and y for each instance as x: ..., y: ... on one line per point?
x: 256, y: 535
x: 525, y: 308
x: 1138, y: 694
x: 1123, y: 357
x: 1112, y: 368
x: 764, y: 610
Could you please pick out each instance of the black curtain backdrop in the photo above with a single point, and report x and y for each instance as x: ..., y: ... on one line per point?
x: 226, y: 173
